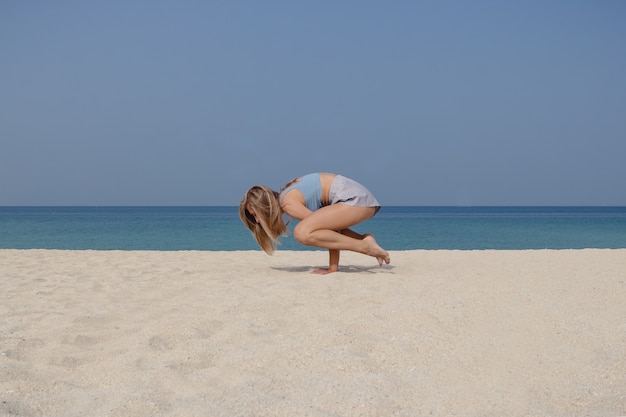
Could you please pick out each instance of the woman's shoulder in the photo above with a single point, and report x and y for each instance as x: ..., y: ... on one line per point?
x: 290, y: 186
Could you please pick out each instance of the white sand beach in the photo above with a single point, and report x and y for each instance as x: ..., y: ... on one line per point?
x: 442, y: 333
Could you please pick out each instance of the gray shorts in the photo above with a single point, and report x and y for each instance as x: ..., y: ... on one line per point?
x: 346, y: 191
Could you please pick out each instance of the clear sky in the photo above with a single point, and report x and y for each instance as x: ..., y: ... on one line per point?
x: 147, y: 102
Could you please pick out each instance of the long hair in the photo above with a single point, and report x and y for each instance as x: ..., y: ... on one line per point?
x: 266, y: 206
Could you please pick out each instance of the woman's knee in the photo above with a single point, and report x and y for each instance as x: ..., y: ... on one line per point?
x: 302, y: 234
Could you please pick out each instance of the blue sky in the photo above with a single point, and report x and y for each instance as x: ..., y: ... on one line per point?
x: 424, y: 102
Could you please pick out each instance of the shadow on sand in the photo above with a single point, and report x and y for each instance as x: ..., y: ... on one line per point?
x: 372, y: 269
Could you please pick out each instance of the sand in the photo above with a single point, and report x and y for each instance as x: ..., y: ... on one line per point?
x: 443, y: 333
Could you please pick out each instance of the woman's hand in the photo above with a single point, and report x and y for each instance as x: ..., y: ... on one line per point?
x: 333, y: 263
x: 324, y: 271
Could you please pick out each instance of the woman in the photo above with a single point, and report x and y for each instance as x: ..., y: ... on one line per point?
x: 327, y: 205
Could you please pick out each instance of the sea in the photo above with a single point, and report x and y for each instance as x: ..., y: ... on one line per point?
x: 395, y: 228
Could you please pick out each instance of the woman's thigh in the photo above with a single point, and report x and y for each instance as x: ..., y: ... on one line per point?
x: 336, y: 217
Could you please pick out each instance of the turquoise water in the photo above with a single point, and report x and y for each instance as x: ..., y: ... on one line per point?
x: 396, y: 228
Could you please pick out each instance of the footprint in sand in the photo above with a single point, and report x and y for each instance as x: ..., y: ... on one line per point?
x: 159, y: 344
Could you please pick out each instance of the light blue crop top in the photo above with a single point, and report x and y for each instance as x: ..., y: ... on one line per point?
x: 310, y: 186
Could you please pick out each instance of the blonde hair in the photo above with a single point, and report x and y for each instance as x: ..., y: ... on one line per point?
x: 266, y: 206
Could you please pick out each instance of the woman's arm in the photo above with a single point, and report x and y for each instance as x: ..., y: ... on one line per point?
x: 333, y: 263
x: 333, y: 254
x: 295, y: 208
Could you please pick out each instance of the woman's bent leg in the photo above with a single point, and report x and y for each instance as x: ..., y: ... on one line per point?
x: 320, y: 230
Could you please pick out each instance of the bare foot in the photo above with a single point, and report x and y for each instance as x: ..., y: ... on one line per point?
x: 376, y: 251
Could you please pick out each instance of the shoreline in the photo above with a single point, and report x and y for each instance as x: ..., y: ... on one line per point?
x: 239, y: 333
